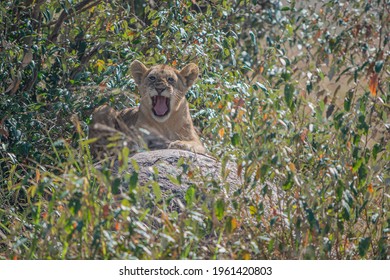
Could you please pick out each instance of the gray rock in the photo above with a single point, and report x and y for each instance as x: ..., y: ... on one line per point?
x: 178, y: 169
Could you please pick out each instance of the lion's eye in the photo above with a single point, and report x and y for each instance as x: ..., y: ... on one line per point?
x: 152, y: 78
x: 171, y: 80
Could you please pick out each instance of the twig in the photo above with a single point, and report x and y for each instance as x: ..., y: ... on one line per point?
x: 86, y: 59
x: 82, y: 6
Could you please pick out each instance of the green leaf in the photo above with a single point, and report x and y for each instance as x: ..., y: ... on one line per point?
x: 363, y: 172
x: 180, y: 162
x: 288, y: 184
x: 312, y: 219
x: 346, y: 210
x: 133, y: 180
x: 339, y: 190
x: 289, y: 95
x: 258, y: 85
x: 375, y: 150
x: 374, y: 218
x: 190, y: 195
x: 378, y: 66
x: 309, y: 86
x: 173, y: 179
x: 362, y: 124
x: 364, y: 245
x: 357, y: 164
x: 115, y: 186
x: 75, y: 202
x: 347, y: 101
x: 263, y: 171
x: 290, y: 29
x: 135, y: 165
x: 253, y: 37
x: 220, y: 209
x: 235, y: 139
x: 157, y: 191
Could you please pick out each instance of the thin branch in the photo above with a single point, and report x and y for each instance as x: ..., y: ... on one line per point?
x: 139, y: 20
x: 85, y: 59
x: 80, y: 7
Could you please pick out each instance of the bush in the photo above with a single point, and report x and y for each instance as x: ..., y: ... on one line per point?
x: 297, y: 96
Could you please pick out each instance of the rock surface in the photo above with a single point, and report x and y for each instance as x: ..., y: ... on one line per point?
x: 188, y: 166
x: 167, y: 165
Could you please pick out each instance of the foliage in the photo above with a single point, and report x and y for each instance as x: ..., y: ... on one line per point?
x: 296, y: 94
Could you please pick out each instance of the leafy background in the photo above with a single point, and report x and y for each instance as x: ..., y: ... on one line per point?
x: 296, y: 93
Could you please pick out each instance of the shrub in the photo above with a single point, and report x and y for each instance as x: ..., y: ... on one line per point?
x: 297, y: 96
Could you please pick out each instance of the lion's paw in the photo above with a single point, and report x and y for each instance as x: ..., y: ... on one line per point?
x: 180, y: 145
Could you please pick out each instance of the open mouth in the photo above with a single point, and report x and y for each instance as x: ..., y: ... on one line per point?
x: 160, y: 105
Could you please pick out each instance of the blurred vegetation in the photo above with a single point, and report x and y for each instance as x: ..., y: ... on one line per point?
x: 296, y: 93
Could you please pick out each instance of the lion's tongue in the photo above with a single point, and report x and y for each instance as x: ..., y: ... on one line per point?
x: 160, y: 107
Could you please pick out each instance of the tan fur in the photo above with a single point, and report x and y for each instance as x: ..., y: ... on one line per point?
x: 175, y: 126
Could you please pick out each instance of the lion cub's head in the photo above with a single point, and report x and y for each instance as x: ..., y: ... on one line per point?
x: 162, y: 87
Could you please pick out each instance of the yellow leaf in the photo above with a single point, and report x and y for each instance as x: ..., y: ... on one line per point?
x: 221, y: 132
x: 32, y: 190
x: 239, y: 115
x: 155, y: 22
x: 246, y: 256
x: 37, y: 175
x: 261, y: 69
x: 100, y: 64
x: 304, y: 134
x: 370, y: 188
x: 373, y: 84
x: 292, y: 167
x: 108, y: 27
x: 234, y: 224
x: 239, y: 170
x: 252, y: 210
x: 250, y: 169
x: 258, y: 173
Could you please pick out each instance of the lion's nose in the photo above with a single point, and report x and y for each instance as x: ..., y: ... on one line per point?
x: 160, y: 89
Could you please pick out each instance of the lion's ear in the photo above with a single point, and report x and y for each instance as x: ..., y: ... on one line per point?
x: 138, y: 70
x: 190, y: 73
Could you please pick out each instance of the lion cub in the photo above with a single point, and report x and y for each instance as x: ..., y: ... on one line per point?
x: 163, y: 108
